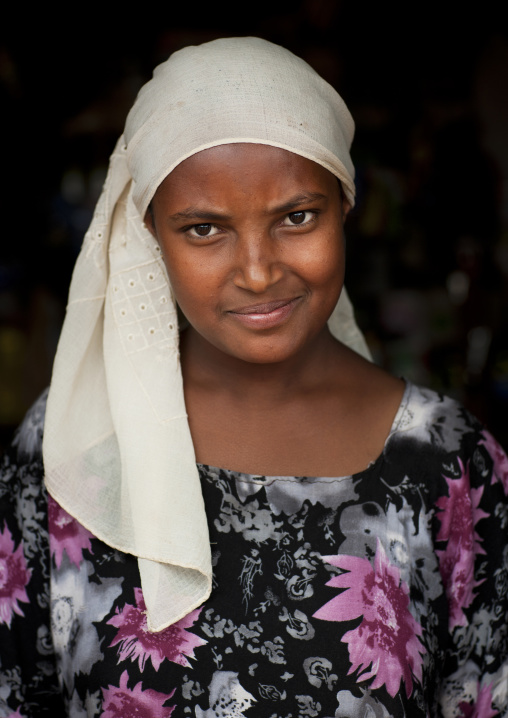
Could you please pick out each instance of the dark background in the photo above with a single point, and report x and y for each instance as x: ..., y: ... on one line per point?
x: 427, y: 84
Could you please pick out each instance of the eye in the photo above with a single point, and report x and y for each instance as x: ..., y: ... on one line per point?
x: 202, y: 230
x: 298, y: 218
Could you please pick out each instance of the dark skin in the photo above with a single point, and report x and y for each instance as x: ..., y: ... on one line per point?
x: 252, y: 237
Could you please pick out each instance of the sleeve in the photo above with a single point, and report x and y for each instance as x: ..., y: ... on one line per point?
x: 473, y: 561
x: 28, y: 678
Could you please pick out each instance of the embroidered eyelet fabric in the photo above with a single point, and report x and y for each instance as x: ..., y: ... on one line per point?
x: 117, y: 437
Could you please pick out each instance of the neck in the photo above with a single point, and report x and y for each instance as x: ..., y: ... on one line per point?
x: 208, y: 368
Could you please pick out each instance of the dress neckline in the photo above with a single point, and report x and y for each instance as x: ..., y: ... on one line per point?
x: 398, y: 421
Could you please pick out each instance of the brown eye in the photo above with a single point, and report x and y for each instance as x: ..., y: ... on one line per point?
x: 203, y: 229
x: 297, y: 217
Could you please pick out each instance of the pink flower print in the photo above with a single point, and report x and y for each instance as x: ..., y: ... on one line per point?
x: 385, y: 646
x: 482, y: 708
x: 459, y: 515
x: 66, y: 534
x: 16, y: 715
x: 122, y: 702
x: 14, y: 577
x: 137, y: 643
x: 500, y: 467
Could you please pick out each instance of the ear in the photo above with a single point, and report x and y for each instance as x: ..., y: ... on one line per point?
x: 345, y: 204
x: 346, y: 208
x: 150, y: 221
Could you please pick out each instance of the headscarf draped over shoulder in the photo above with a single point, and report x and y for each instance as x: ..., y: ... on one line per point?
x: 118, y: 452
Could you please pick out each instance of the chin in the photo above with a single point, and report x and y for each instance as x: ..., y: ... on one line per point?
x: 269, y: 351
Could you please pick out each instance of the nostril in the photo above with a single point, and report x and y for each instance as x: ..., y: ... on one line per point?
x: 256, y: 263
x: 258, y: 276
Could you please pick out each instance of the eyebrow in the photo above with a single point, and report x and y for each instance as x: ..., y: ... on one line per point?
x: 297, y: 201
x: 194, y: 213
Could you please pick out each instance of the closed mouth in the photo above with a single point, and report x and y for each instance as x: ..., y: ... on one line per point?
x: 266, y: 316
x: 265, y: 308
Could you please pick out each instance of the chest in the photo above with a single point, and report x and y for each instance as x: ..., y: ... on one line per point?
x: 312, y: 585
x: 313, y: 439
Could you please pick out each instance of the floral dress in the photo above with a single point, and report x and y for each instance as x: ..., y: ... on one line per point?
x: 381, y: 594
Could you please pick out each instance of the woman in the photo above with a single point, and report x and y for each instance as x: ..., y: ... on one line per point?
x: 356, y: 524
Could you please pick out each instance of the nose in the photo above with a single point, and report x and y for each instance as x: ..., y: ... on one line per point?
x: 257, y: 264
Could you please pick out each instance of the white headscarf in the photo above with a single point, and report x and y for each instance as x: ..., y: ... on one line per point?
x: 118, y: 452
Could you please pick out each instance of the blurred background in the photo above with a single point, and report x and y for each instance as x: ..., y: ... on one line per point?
x: 427, y: 243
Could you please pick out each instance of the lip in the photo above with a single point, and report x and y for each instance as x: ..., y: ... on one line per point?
x: 265, y: 316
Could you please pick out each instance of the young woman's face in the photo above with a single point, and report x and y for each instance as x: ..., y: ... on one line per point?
x: 252, y: 238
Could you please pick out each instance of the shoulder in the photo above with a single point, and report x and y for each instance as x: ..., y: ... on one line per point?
x: 435, y: 436
x: 427, y: 417
x: 28, y: 672
x: 28, y: 438
x: 23, y: 500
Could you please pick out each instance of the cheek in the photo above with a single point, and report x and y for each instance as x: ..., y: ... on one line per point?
x: 323, y: 265
x: 190, y: 280
x: 325, y: 276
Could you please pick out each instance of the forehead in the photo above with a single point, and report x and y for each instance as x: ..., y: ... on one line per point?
x: 246, y: 168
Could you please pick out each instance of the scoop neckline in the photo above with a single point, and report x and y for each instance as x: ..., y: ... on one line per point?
x: 265, y: 478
